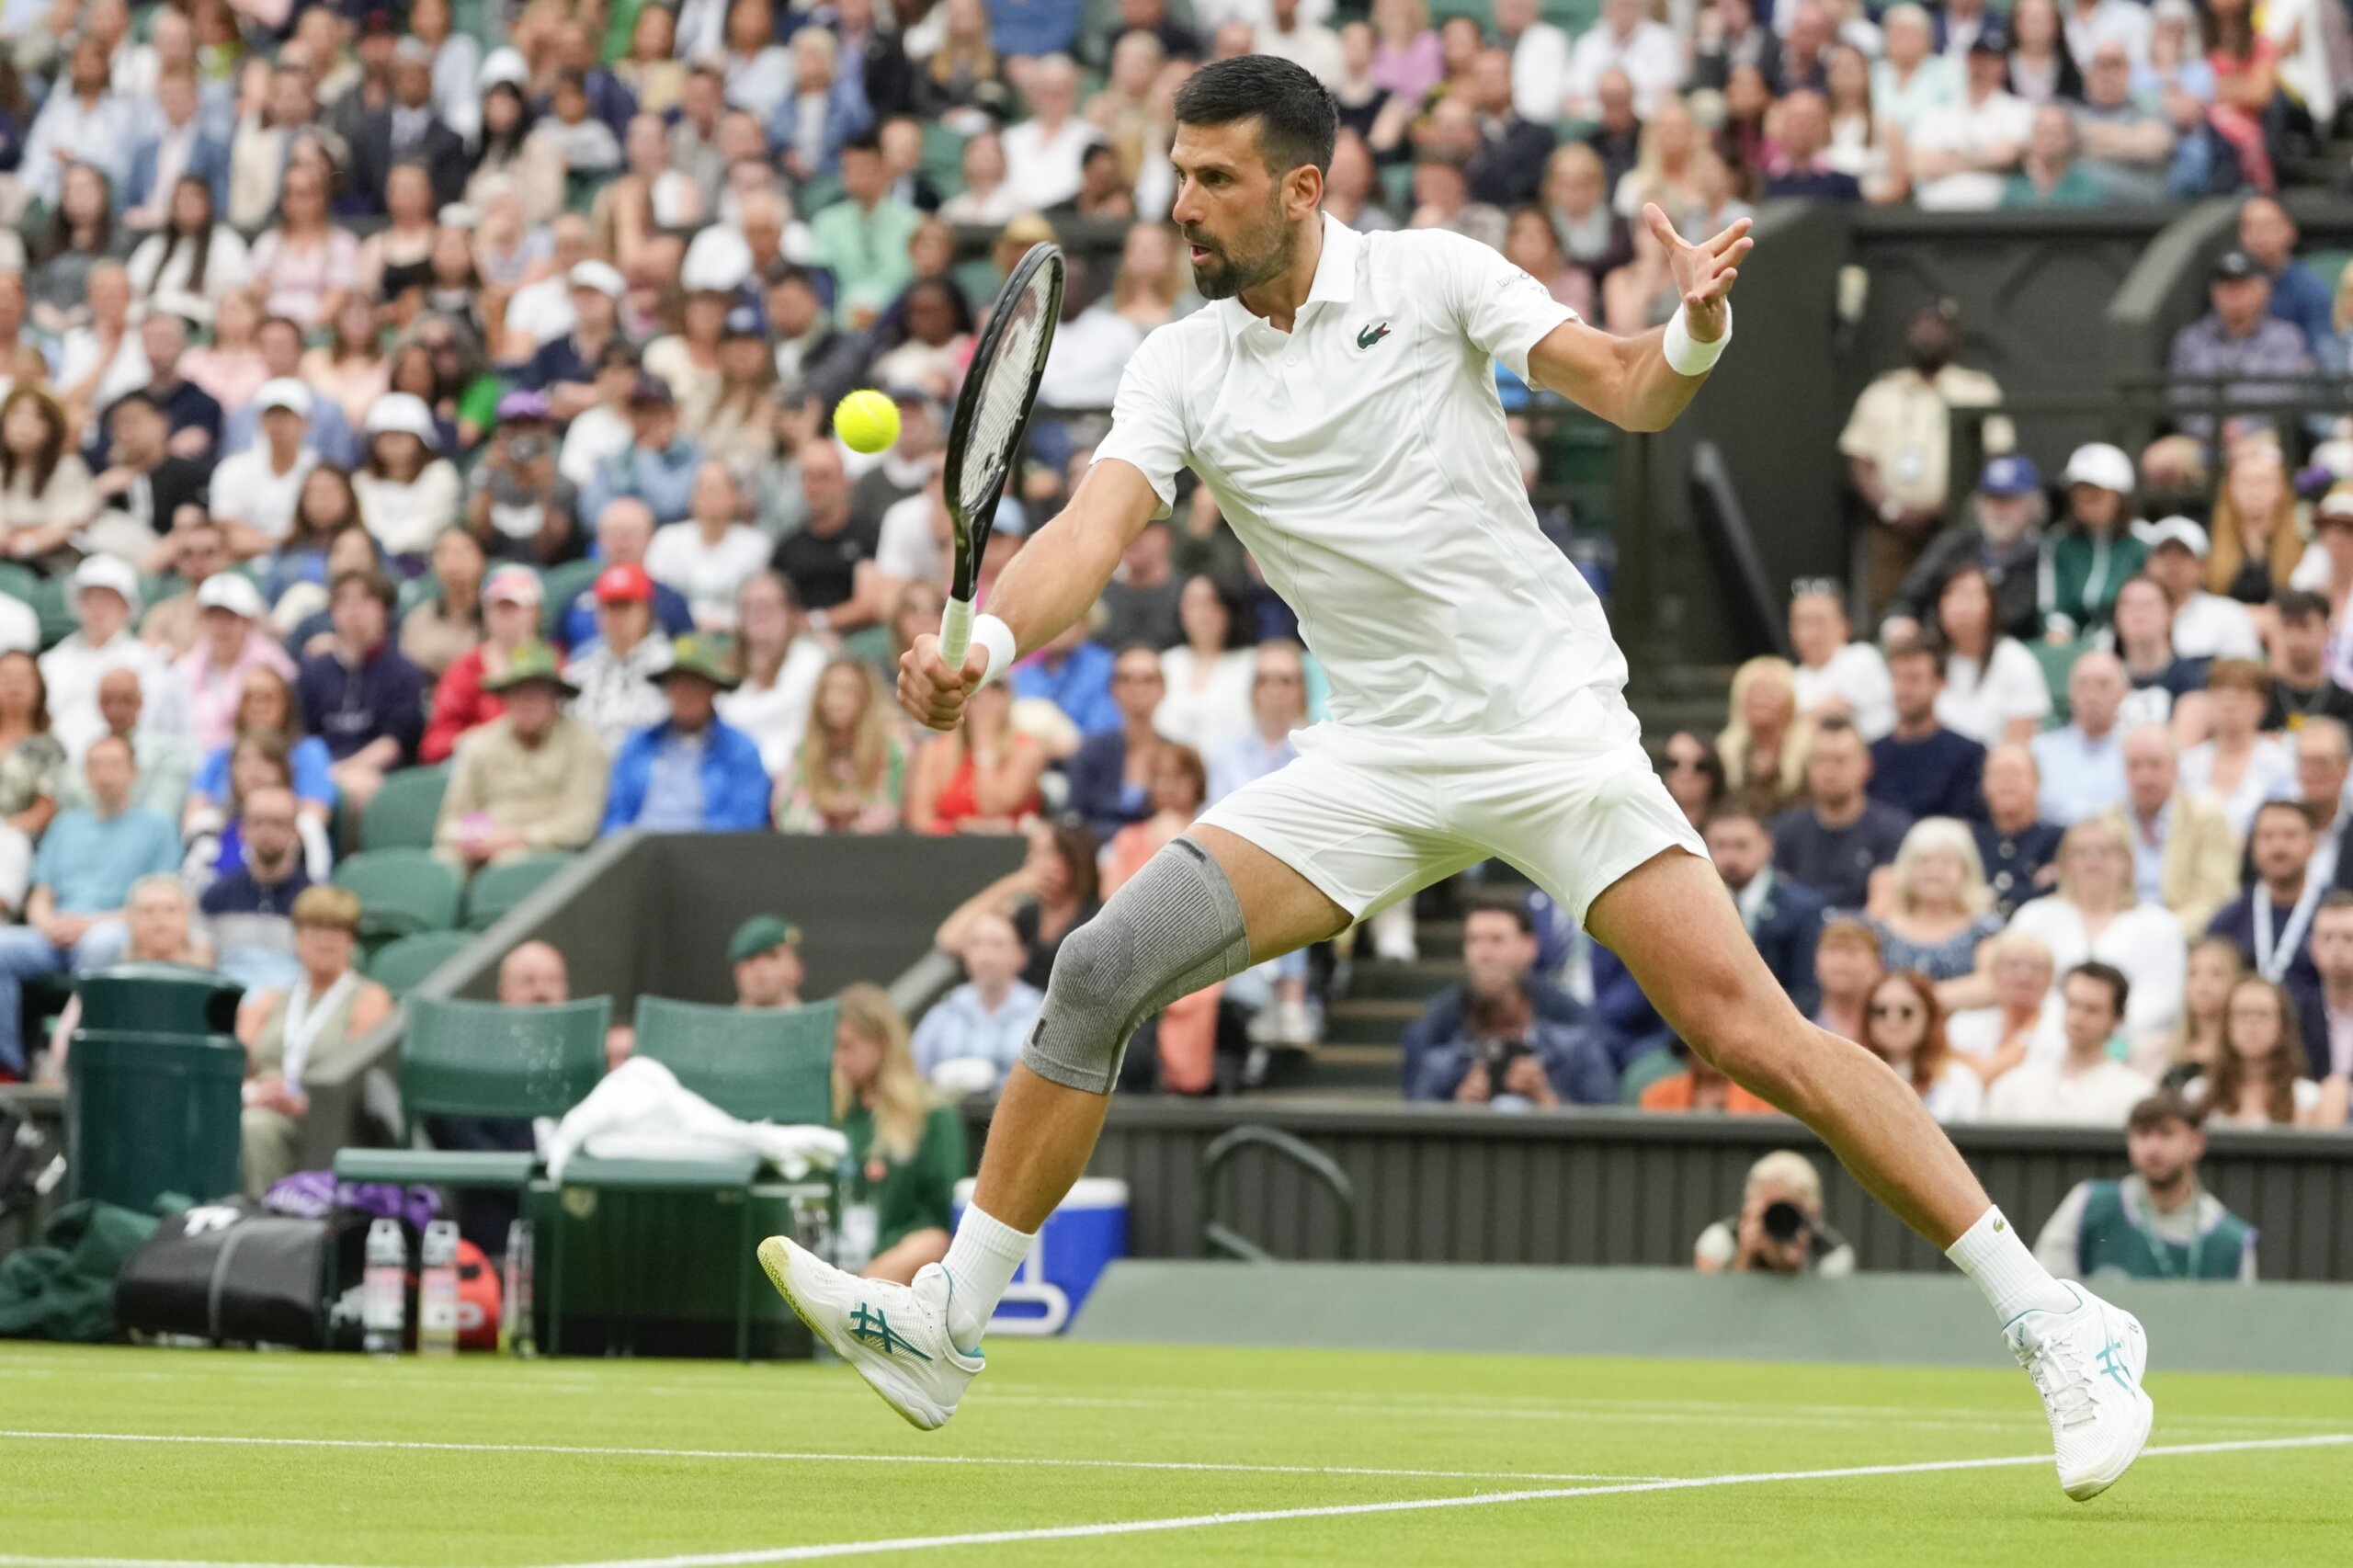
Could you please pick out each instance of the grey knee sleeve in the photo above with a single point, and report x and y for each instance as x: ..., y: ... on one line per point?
x: 1176, y: 927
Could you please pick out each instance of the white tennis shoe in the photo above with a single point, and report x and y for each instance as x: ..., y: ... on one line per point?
x: 2087, y: 1364
x: 896, y: 1335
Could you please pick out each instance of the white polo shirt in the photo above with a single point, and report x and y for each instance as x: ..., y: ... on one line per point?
x: 1363, y: 460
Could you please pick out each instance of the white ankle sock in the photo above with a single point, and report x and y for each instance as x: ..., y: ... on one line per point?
x: 980, y: 1263
x: 1991, y: 1253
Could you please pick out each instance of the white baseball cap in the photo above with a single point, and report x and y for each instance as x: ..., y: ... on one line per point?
x: 233, y: 592
x: 2100, y: 464
x: 2177, y: 530
x: 402, y: 412
x: 286, y: 392
x: 109, y: 572
x: 601, y: 275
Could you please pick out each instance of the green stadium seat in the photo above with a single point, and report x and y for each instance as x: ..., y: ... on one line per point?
x: 563, y: 585
x: 403, y: 814
x: 774, y: 1064
x: 401, y: 892
x: 497, y: 889
x: 2328, y: 265
x: 57, y: 619
x: 1643, y: 1071
x: 2057, y: 660
x: 403, y: 965
x: 943, y: 157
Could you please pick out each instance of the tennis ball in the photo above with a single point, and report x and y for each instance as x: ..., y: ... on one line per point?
x: 867, y: 420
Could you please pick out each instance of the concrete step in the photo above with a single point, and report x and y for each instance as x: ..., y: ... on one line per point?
x: 1367, y: 1069
x: 1380, y: 1021
x: 1374, y: 980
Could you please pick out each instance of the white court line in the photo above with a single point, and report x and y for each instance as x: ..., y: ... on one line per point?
x: 1262, y: 1516
x: 772, y: 1455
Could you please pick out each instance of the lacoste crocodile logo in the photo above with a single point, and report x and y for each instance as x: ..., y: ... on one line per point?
x: 1372, y: 334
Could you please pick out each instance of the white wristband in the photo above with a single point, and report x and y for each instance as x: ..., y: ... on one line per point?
x: 997, y: 638
x: 1687, y: 356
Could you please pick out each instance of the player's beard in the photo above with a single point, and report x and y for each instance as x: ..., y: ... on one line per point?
x: 1248, y: 259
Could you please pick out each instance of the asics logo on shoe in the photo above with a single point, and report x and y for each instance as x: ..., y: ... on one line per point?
x: 869, y: 1326
x: 2114, y: 1367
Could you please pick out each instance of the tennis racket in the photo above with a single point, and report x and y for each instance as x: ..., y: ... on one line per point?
x: 991, y: 412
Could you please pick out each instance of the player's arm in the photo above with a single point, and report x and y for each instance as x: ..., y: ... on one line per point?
x: 1051, y: 583
x: 1631, y: 382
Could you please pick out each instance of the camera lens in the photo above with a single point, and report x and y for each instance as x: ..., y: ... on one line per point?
x: 1783, y: 1219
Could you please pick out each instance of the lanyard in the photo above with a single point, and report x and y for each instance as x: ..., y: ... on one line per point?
x: 2270, y: 961
x: 305, y: 1022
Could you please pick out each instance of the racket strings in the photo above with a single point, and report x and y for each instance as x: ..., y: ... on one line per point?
x: 1004, y: 400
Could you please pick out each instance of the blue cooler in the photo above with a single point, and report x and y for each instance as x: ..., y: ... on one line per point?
x: 1073, y: 1246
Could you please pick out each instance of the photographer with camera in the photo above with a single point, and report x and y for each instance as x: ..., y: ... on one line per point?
x: 1503, y: 1054
x: 1780, y: 1228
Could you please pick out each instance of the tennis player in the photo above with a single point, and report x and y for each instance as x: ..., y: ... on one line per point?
x: 1339, y: 399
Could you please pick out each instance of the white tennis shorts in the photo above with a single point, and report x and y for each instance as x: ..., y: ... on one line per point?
x: 1370, y: 818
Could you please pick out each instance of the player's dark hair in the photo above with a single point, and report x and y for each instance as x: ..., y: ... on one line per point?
x: 2108, y: 974
x: 1296, y: 118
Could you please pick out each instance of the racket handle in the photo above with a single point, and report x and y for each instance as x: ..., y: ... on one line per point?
x: 956, y: 633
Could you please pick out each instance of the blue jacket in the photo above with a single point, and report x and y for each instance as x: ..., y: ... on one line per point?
x: 1081, y: 687
x: 1574, y: 1058
x: 208, y: 160
x: 1787, y: 930
x: 2304, y: 303
x: 665, y: 481
x: 1427, y: 1036
x: 846, y: 115
x: 735, y: 785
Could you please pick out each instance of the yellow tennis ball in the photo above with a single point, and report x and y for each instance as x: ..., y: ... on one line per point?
x: 867, y: 420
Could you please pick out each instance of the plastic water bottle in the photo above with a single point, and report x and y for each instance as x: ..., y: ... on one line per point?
x: 383, y: 1289
x: 437, y: 1291
x: 514, y: 1297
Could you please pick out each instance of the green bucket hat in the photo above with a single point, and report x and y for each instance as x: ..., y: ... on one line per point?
x: 532, y: 661
x: 693, y: 655
x: 762, y: 934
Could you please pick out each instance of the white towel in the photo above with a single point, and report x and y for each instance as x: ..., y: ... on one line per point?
x: 640, y: 1111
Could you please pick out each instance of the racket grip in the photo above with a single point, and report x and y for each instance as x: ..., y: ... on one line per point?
x: 955, y: 633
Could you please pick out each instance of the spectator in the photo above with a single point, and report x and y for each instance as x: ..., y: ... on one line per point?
x: 2239, y: 768
x: 104, y: 592
x: 693, y: 772
x: 2159, y: 1223
x: 906, y: 1150
x: 1508, y: 166
x: 361, y: 697
x: 197, y: 551
x: 2271, y: 921
x: 213, y: 672
x: 981, y: 778
x: 2097, y: 550
x: 1783, y: 916
x: 2325, y: 1014
x: 2021, y: 1021
x: 2268, y: 236
x: 1140, y: 602
x: 2015, y: 844
x: 1179, y: 790
x: 1537, y: 81
x: 2083, y: 763
x: 2185, y: 856
x: 285, y: 1033
x: 656, y: 468
x: 1763, y: 745
x: 2002, y: 539
x: 2239, y: 338
x: 1906, y: 1030
x: 1780, y: 1228
x: 82, y: 879
x: 1499, y: 949
x: 82, y: 122
x: 1042, y: 153
x: 2196, y: 1044
x: 847, y: 773
x: 2128, y: 147
x: 2094, y: 915
x: 863, y: 238
x: 1277, y: 711
x: 1912, y: 81
x: 2050, y: 174
x: 2256, y: 1080
x: 1694, y: 774
x: 1941, y: 910
x: 44, y: 485
x: 1051, y: 894
x: 1896, y: 444
x: 618, y: 672
x: 827, y: 560
x: 32, y: 767
x: 1406, y: 57
x: 256, y: 491
x: 2323, y: 762
x: 349, y: 368
x: 461, y: 699
x: 779, y: 661
x: 528, y: 780
x: 1110, y: 773
x: 303, y: 260
x: 1963, y: 153
x: 1626, y: 39
x: 2042, y: 67
x: 161, y: 920
x: 1496, y: 1046
x: 1073, y: 673
x: 1845, y: 967
x: 2302, y: 688
x: 1833, y: 672
x: 249, y: 913
x: 268, y: 709
x: 1209, y: 679
x: 2204, y: 625
x: 1800, y: 165
x: 407, y: 493
x: 1699, y: 1085
x: 710, y: 555
x: 624, y: 534
x: 1920, y: 766
x: 972, y: 1037
x: 764, y: 954
x: 1836, y: 844
x: 519, y: 504
x: 2084, y: 1086
x: 2257, y: 542
x: 145, y: 484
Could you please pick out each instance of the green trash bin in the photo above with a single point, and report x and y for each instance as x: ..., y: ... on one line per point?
x: 152, y: 1086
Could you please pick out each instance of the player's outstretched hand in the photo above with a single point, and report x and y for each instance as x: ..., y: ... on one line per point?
x: 935, y: 694
x: 1704, y: 273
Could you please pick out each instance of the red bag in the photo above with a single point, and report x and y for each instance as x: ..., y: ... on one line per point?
x: 479, y: 1299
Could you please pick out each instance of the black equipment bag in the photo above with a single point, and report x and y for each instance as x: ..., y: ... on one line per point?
x: 233, y: 1273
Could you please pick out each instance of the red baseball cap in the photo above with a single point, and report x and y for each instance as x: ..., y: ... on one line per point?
x: 624, y: 585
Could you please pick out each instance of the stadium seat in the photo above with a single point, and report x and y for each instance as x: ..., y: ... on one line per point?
x: 405, y: 811
x: 761, y: 1064
x: 404, y: 963
x: 497, y: 889
x: 1643, y: 1071
x: 401, y: 892
x: 562, y: 585
x: 57, y: 619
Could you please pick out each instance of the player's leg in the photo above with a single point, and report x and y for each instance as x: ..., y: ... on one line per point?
x: 1672, y: 923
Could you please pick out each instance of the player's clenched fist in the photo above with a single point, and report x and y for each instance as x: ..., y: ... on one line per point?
x: 930, y: 690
